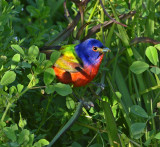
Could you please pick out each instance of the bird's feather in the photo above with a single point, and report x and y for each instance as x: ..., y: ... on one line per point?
x: 69, y: 61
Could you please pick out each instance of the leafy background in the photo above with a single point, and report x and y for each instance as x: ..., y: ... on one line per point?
x: 34, y: 106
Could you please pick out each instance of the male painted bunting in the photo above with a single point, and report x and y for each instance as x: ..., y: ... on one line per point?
x: 79, y: 64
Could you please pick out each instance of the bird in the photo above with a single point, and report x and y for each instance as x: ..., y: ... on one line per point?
x: 78, y: 64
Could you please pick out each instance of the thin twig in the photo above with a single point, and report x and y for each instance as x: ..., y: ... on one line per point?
x: 66, y: 12
x: 144, y: 40
x: 110, y: 16
x: 107, y: 24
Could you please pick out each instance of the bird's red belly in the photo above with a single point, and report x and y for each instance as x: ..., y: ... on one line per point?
x: 76, y: 78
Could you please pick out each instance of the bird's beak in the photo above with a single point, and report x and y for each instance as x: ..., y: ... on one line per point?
x: 106, y: 49
x: 103, y: 50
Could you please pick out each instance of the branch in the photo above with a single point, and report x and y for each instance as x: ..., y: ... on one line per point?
x: 143, y: 40
x: 110, y: 16
x: 66, y: 12
x: 107, y: 24
x: 62, y: 36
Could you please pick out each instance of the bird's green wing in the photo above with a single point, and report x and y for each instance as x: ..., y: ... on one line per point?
x: 69, y: 60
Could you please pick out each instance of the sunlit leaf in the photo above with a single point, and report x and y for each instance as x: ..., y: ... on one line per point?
x: 49, y: 76
x: 8, y: 78
x: 157, y: 136
x: 18, y: 49
x: 152, y: 54
x: 33, y: 51
x: 139, y: 67
x: 70, y: 103
x: 16, y: 58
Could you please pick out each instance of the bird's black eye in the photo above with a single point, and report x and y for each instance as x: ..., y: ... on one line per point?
x: 94, y: 48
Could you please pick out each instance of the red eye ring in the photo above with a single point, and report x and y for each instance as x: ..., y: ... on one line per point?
x: 94, y: 48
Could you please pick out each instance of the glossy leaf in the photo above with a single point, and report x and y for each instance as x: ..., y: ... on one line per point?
x: 20, y: 87
x: 33, y: 51
x: 49, y: 89
x: 63, y: 89
x: 70, y: 103
x: 49, y: 76
x: 137, y: 129
x: 157, y: 136
x: 42, y: 142
x: 54, y: 56
x: 151, y: 53
x: 10, y: 132
x: 137, y: 110
x: 8, y: 78
x: 18, y: 49
x: 157, y: 46
x: 16, y: 58
x: 155, y: 70
x: 139, y: 67
x: 23, y: 136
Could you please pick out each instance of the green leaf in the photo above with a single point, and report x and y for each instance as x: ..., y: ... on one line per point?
x: 54, y: 56
x: 157, y: 136
x: 63, y: 89
x: 138, y: 67
x: 41, y: 142
x: 26, y: 65
x: 151, y: 53
x: 148, y: 142
x: 91, y: 110
x: 40, y: 4
x: 157, y: 46
x: 137, y: 129
x: 70, y: 103
x: 42, y: 57
x: 85, y: 130
x: 16, y: 58
x: 8, y: 78
x: 20, y: 87
x: 48, y: 76
x: 33, y: 51
x: 31, y: 139
x: 49, y: 89
x: 10, y: 132
x: 18, y: 49
x: 2, y: 124
x: 33, y: 11
x: 111, y: 126
x: 137, y: 110
x: 13, y: 66
x: 12, y: 90
x: 76, y: 144
x: 23, y: 136
x: 155, y: 70
x: 47, y: 63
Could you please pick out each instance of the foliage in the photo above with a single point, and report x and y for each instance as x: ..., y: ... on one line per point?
x: 34, y: 106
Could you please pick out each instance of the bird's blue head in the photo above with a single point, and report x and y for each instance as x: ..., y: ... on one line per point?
x: 90, y: 51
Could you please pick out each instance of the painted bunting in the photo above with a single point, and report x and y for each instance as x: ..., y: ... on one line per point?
x: 79, y: 64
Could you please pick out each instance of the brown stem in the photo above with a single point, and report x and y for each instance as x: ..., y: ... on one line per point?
x: 107, y: 24
x: 144, y: 40
x: 110, y: 16
x: 67, y: 15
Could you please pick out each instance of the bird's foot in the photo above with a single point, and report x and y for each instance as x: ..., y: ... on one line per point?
x: 88, y: 104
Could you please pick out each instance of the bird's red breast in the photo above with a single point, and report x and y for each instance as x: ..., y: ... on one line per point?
x: 80, y: 78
